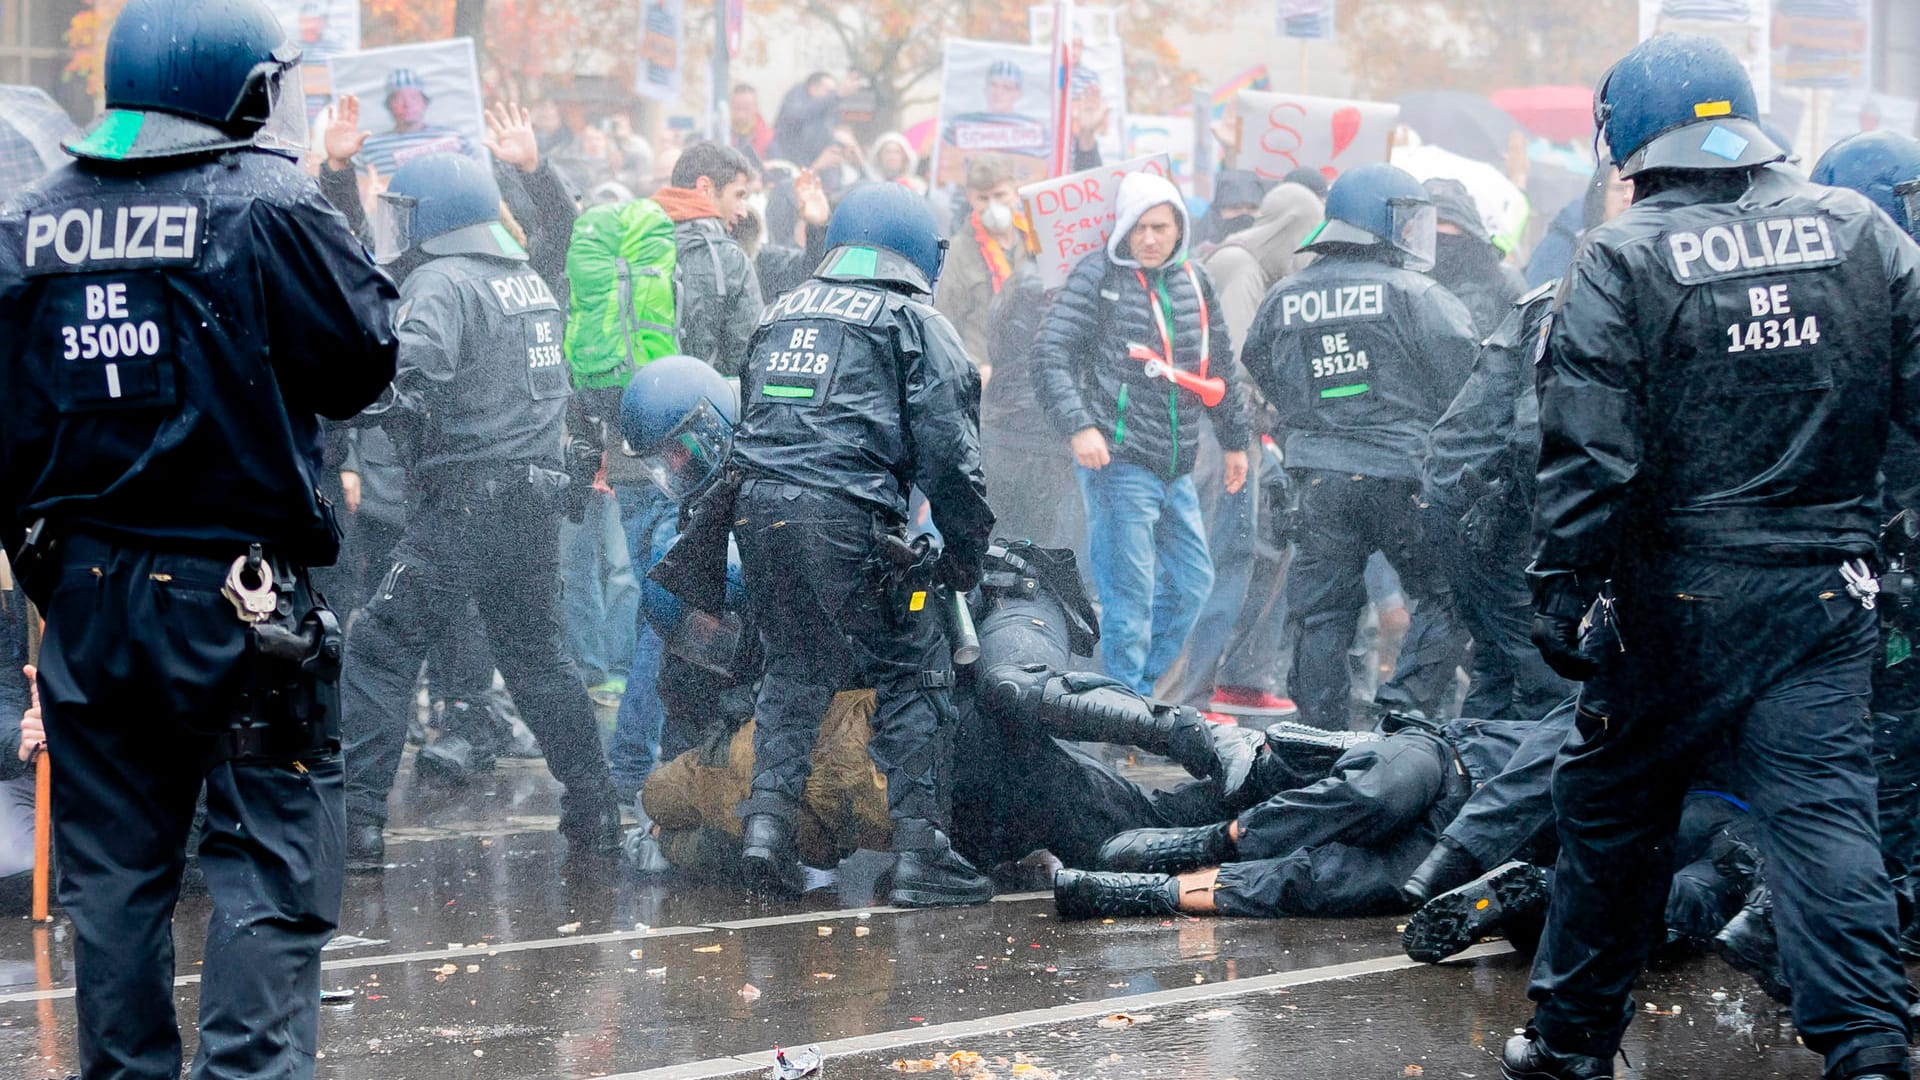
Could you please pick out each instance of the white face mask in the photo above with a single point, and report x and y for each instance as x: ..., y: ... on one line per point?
x: 997, y: 217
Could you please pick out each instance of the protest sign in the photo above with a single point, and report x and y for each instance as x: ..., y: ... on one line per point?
x: 1308, y: 20
x: 1745, y: 26
x: 995, y: 102
x: 1169, y: 135
x: 431, y: 94
x: 1072, y: 215
x: 1283, y: 132
x: 663, y: 32
x: 1099, y: 68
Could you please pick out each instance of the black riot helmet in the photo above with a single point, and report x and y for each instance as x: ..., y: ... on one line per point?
x: 197, y: 76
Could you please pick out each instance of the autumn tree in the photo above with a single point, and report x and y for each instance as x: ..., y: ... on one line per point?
x: 1394, y: 46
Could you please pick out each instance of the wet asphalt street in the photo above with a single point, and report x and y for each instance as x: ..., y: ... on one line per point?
x: 479, y: 955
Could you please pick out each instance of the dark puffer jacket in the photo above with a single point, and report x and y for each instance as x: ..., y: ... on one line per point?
x: 1085, y: 378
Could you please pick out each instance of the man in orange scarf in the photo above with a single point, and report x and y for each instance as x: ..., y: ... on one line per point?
x: 988, y: 248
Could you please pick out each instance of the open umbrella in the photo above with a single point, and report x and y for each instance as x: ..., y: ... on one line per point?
x: 31, y: 129
x: 1559, y: 113
x: 1502, y: 205
x: 1464, y: 123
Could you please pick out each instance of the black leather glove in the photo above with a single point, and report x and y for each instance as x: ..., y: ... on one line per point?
x: 583, y: 464
x: 1560, y: 603
x: 958, y: 568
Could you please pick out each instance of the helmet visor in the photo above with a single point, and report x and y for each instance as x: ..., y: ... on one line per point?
x: 691, y: 454
x: 285, y: 131
x: 1907, y: 196
x: 1414, y: 225
x: 392, y: 226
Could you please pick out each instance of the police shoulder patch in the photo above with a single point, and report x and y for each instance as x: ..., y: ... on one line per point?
x: 1751, y: 245
x: 856, y: 304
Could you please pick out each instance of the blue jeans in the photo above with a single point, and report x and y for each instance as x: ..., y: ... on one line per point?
x: 1147, y: 552
x: 650, y: 522
x: 599, y: 593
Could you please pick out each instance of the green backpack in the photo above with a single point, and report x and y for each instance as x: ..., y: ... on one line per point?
x: 620, y: 269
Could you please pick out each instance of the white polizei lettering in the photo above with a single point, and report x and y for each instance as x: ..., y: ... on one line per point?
x: 170, y: 236
x: 1752, y: 245
x: 40, y: 228
x: 143, y: 218
x: 1339, y: 302
x: 72, y: 256
x: 1806, y: 236
x: 1783, y: 253
x: 1685, y: 247
x: 95, y: 250
x: 1722, y: 253
x: 1747, y: 258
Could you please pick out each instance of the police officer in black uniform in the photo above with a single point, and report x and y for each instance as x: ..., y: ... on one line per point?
x: 1715, y: 397
x: 479, y: 408
x: 855, y: 389
x: 179, y: 305
x: 1885, y: 167
x: 1359, y: 353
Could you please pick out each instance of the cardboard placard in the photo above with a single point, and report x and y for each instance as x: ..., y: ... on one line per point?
x: 1283, y: 132
x: 1072, y: 215
x: 1099, y: 67
x: 1169, y: 135
x: 415, y: 99
x: 995, y: 102
x: 663, y: 32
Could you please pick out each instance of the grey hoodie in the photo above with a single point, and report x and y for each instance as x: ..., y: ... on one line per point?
x: 1250, y: 261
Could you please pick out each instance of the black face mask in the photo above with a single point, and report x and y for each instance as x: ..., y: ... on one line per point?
x: 1227, y: 226
x: 1456, y: 258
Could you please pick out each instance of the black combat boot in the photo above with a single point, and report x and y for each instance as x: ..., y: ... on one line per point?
x: 591, y: 823
x: 1094, y: 708
x: 1167, y: 851
x: 463, y: 752
x: 1308, y: 753
x: 1747, y: 944
x: 927, y: 872
x: 1447, y: 867
x: 768, y: 858
x: 1526, y: 1057
x: 366, y: 849
x: 1509, y: 900
x: 1093, y: 894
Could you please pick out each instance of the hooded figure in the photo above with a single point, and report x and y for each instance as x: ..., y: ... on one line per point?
x: 1124, y: 328
x: 1467, y: 262
x: 904, y: 171
x: 1237, y: 194
x: 1250, y: 261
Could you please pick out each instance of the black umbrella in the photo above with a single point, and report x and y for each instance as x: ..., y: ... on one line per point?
x: 1466, y: 124
x: 32, y: 127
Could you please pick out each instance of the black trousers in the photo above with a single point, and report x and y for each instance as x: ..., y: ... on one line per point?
x: 1774, y: 662
x: 141, y: 668
x: 821, y: 604
x: 501, y: 551
x: 1344, y: 520
x: 1513, y: 811
x: 1016, y: 789
x: 1509, y: 679
x: 1342, y: 846
x: 1896, y: 760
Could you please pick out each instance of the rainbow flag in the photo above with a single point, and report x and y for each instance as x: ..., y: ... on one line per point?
x: 1254, y: 78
